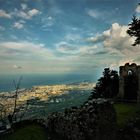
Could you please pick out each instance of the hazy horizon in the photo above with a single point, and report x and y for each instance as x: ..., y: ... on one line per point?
x: 30, y: 80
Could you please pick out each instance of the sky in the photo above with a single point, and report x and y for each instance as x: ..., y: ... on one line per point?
x: 66, y: 36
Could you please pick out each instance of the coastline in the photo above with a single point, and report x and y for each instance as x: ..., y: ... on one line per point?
x: 44, y: 94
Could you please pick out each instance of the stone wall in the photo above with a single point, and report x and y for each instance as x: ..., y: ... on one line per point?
x: 124, y: 72
x: 95, y: 120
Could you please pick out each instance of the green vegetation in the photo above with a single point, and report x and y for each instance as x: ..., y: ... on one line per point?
x: 126, y: 111
x: 28, y: 132
x: 74, y: 98
x: 37, y: 132
x: 107, y: 86
x: 32, y: 131
x: 134, y: 30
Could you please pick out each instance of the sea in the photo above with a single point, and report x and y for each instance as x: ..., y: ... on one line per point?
x: 30, y: 80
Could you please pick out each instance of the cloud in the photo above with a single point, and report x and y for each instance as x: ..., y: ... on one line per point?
x: 36, y: 58
x: 117, y: 43
x: 26, y: 14
x: 47, y: 22
x: 99, y: 37
x: 109, y: 48
x: 73, y: 37
x: 33, y: 12
x: 24, y: 6
x: 66, y: 48
x: 4, y: 14
x: 138, y: 9
x: 76, y: 50
x: 24, y: 50
x: 101, y: 52
x: 93, y: 13
x: 88, y: 51
x: 119, y: 40
x: 114, y: 38
x: 18, y: 25
x: 22, y: 21
x: 49, y: 18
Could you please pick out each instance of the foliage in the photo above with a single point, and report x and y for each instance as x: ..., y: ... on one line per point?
x: 134, y: 30
x: 29, y: 132
x: 107, y: 86
x: 125, y: 112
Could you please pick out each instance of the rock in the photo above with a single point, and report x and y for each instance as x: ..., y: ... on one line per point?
x: 95, y: 120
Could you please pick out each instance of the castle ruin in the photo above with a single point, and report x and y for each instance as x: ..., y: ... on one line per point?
x: 129, y: 84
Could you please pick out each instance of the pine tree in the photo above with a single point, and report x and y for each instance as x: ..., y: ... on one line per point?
x: 107, y: 86
x: 134, y: 30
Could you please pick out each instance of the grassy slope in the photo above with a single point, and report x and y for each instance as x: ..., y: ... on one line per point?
x: 28, y: 132
x: 126, y: 111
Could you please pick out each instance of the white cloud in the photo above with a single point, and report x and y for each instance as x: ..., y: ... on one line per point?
x: 24, y: 50
x: 138, y: 9
x: 22, y: 14
x: 89, y: 51
x: 50, y: 18
x: 97, y: 38
x: 93, y: 13
x: 24, y: 6
x: 78, y: 51
x: 35, y: 58
x: 47, y: 22
x: 18, y: 25
x: 22, y: 21
x: 73, y: 37
x: 4, y: 14
x: 33, y: 12
x: 26, y: 14
x: 117, y: 42
x: 66, y: 48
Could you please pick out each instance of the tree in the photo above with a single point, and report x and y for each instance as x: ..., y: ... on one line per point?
x: 134, y: 30
x: 107, y: 86
x: 19, y: 110
x: 17, y: 87
x: 13, y: 112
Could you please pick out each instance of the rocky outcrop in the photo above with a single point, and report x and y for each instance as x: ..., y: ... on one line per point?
x: 131, y: 130
x: 94, y: 120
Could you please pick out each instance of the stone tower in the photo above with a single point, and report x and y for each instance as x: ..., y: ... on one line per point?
x: 129, y: 84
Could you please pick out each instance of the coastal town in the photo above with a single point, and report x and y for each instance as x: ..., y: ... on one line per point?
x: 41, y: 93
